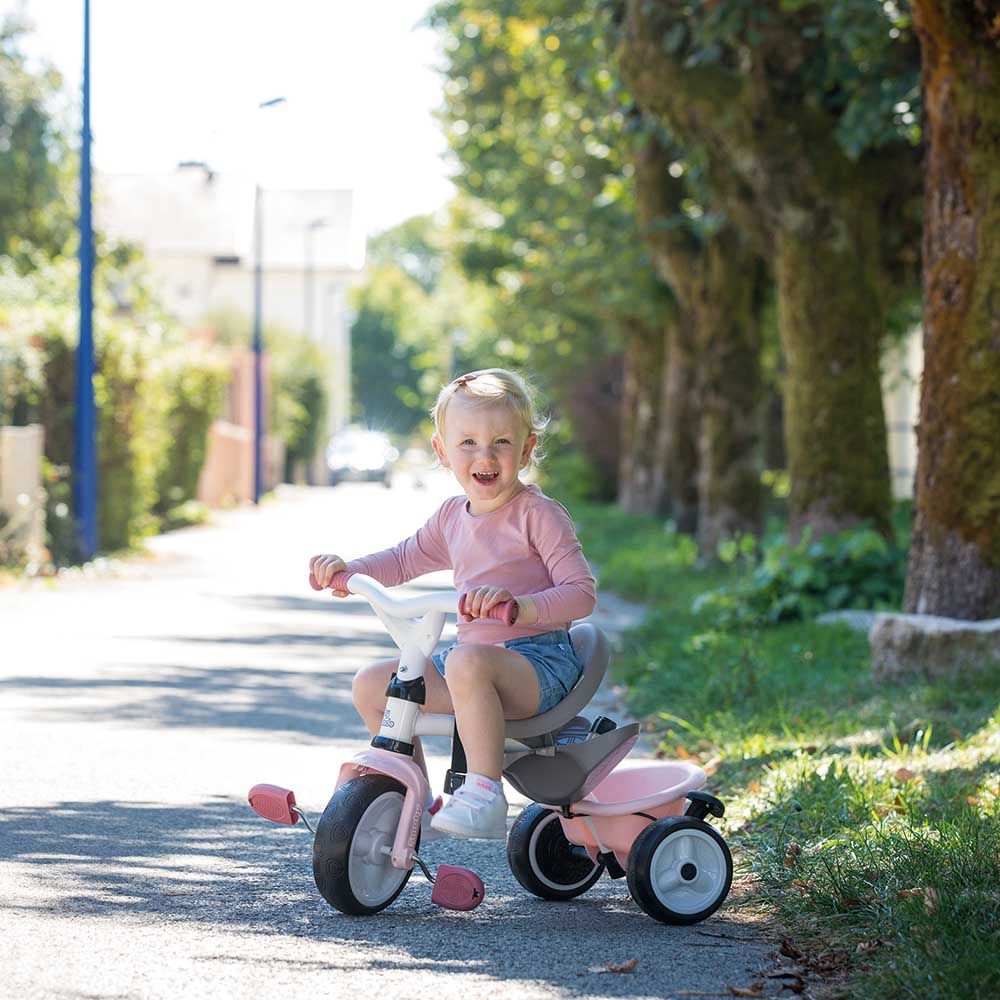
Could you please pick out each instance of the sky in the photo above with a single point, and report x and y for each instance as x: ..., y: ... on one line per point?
x: 182, y: 80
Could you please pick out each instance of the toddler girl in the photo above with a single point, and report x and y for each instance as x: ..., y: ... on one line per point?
x: 503, y: 539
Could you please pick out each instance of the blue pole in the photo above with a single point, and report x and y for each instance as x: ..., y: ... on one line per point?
x: 85, y: 433
x: 258, y: 346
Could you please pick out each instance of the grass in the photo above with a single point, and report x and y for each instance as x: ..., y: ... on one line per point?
x: 867, y: 814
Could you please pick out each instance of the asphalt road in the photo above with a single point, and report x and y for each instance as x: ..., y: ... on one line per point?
x: 137, y: 706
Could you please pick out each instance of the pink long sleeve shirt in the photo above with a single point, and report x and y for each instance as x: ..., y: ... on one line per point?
x: 528, y: 546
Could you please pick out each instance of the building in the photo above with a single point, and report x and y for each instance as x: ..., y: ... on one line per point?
x: 196, y: 228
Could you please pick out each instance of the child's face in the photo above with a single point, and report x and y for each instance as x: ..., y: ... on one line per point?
x: 485, y: 447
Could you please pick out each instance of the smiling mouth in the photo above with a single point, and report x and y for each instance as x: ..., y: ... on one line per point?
x: 485, y: 477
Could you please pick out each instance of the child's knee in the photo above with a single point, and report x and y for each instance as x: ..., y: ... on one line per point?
x: 369, y: 684
x: 466, y: 668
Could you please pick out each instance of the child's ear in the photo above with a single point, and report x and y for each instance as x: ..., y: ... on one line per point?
x: 529, y: 447
x: 439, y: 451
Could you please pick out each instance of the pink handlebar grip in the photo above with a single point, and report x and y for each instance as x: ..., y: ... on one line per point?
x: 506, y: 612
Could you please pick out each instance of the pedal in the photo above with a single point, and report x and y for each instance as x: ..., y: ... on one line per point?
x: 274, y: 803
x: 457, y: 888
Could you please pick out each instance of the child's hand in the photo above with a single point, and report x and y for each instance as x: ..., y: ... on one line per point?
x: 322, y: 570
x: 480, y: 599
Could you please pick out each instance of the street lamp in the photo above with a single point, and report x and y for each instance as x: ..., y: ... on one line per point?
x: 85, y: 425
x: 258, y: 345
x: 310, y: 269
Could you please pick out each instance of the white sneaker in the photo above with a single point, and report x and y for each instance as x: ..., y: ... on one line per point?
x: 472, y: 812
x: 427, y: 832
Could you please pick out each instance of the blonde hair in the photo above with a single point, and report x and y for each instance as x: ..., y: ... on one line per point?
x: 494, y: 387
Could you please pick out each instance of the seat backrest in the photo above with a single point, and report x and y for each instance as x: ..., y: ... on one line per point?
x: 591, y: 646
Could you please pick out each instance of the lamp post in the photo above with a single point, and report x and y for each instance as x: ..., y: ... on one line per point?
x: 85, y: 426
x: 310, y: 273
x: 258, y: 340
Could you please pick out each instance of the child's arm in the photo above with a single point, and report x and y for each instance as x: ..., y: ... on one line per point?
x: 573, y: 594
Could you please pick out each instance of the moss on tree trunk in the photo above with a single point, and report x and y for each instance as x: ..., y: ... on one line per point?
x: 830, y: 324
x: 955, y: 556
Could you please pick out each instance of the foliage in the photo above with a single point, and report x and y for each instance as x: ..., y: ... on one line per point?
x: 540, y: 127
x: 791, y: 580
x: 36, y: 169
x: 300, y: 379
x: 193, y: 390
x: 855, y: 59
x: 147, y: 443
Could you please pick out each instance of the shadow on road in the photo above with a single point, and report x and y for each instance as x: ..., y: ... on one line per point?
x: 217, y: 864
x: 308, y: 706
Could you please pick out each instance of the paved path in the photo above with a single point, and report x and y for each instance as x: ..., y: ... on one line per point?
x: 138, y: 704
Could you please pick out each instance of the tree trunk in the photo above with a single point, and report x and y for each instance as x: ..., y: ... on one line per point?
x: 715, y: 278
x: 831, y: 324
x: 677, y: 435
x: 955, y: 556
x: 781, y: 176
x: 640, y: 481
x: 728, y: 337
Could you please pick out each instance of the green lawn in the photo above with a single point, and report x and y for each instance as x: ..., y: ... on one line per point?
x: 867, y: 813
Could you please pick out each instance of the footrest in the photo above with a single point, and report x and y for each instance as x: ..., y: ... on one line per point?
x: 274, y: 803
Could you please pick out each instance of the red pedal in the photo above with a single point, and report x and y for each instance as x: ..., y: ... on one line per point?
x: 274, y: 803
x: 457, y: 888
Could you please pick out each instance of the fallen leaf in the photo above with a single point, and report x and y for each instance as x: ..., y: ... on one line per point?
x: 753, y: 990
x: 712, y: 766
x: 789, y: 950
x: 753, y: 787
x: 866, y: 947
x: 682, y: 754
x: 931, y: 901
x: 904, y: 775
x: 628, y: 966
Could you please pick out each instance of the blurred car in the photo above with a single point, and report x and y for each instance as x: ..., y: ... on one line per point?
x: 359, y: 454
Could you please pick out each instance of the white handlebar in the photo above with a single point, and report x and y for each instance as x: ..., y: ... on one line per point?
x: 444, y: 601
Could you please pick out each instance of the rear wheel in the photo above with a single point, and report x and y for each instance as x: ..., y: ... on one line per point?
x: 679, y: 870
x: 351, y: 852
x: 544, y: 861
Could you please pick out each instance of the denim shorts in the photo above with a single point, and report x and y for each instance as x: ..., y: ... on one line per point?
x: 553, y: 657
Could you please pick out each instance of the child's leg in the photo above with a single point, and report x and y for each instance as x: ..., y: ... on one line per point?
x: 488, y: 684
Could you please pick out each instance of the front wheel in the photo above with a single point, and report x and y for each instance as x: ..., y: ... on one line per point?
x: 544, y: 861
x: 679, y: 870
x: 351, y: 852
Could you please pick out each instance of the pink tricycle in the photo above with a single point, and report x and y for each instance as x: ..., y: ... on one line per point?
x: 642, y: 820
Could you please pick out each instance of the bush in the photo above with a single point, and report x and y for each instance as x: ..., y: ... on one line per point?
x: 151, y: 421
x: 193, y: 390
x: 853, y: 569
